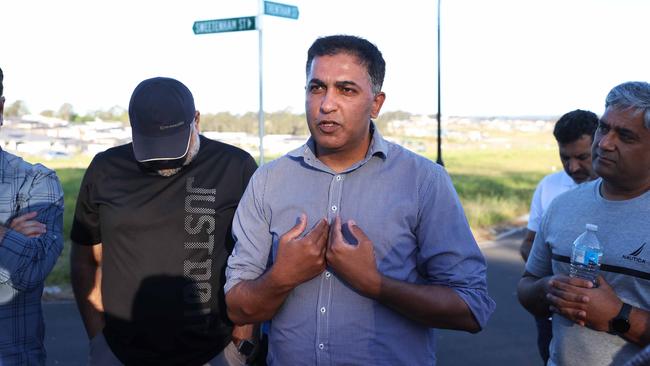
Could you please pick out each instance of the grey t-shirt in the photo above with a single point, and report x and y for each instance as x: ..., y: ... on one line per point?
x: 623, y: 231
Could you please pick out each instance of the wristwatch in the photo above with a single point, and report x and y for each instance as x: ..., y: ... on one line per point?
x: 244, y: 346
x: 621, y: 322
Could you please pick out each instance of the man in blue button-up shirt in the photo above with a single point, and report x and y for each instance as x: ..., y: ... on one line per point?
x: 354, y: 247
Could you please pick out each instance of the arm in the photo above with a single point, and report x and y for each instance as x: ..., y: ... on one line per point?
x: 432, y: 305
x: 31, y: 243
x: 86, y: 276
x: 527, y: 244
x: 298, y: 260
x: 532, y: 291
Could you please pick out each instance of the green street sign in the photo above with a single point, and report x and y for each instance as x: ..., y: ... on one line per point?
x: 224, y: 25
x: 281, y: 10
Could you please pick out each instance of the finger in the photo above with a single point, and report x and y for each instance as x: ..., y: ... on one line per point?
x: 318, y: 235
x: 357, y: 232
x: 298, y: 228
x: 22, y: 218
x: 335, y: 234
x: 574, y: 284
x: 30, y: 228
x: 560, y: 302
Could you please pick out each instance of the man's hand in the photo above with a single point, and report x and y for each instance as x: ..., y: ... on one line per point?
x: 580, y: 302
x: 25, y: 225
x: 301, y: 259
x: 354, y: 263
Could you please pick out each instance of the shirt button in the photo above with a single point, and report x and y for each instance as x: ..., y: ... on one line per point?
x: 328, y: 275
x: 338, y: 177
x: 334, y: 208
x: 323, y: 310
x: 321, y: 346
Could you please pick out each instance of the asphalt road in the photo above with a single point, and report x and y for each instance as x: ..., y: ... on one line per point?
x: 509, y: 338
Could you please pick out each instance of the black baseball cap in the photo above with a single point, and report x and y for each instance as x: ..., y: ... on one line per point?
x: 161, y: 112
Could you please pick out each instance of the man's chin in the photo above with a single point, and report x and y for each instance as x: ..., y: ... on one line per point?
x: 580, y: 178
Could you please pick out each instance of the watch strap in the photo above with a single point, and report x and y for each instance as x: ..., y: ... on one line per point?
x: 620, y: 324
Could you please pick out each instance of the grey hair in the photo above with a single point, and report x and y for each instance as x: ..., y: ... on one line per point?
x: 631, y: 94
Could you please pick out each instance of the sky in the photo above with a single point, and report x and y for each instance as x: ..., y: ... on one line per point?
x: 498, y: 57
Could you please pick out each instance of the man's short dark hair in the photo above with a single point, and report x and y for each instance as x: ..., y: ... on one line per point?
x: 1, y: 87
x: 366, y: 52
x: 571, y: 126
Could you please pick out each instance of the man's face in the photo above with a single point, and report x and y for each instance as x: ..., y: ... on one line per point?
x: 339, y: 103
x: 621, y: 149
x: 576, y: 159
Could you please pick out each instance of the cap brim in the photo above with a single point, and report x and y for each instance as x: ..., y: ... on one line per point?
x: 161, y: 148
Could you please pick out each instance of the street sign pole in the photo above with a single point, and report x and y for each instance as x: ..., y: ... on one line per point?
x: 260, y: 116
x: 251, y: 23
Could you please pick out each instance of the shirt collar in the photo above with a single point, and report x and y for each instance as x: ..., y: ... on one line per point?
x: 378, y: 147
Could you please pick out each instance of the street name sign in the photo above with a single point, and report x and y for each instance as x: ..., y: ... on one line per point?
x: 224, y: 25
x: 281, y: 10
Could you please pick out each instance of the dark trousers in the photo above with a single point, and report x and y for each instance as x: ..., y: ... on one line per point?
x: 544, y: 335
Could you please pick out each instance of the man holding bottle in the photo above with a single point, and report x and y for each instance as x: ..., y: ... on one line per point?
x: 606, y: 323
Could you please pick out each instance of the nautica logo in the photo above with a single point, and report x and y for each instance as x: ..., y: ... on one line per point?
x: 634, y: 256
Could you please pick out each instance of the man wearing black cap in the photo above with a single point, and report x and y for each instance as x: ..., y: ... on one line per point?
x: 152, y: 234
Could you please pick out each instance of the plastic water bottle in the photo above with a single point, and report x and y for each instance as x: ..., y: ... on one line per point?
x: 587, y: 253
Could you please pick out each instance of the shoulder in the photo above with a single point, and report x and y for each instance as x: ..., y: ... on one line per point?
x: 413, y: 164
x: 217, y: 147
x: 580, y: 196
x: 554, y: 179
x: 35, y: 177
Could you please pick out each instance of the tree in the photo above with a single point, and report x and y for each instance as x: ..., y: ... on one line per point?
x: 16, y: 109
x: 66, y: 112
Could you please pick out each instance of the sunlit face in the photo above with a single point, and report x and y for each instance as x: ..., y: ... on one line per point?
x: 339, y: 104
x: 621, y: 149
x: 576, y: 159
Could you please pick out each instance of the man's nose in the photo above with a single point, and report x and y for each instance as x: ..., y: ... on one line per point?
x: 574, y: 165
x: 328, y: 103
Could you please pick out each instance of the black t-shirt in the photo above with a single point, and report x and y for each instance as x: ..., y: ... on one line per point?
x: 165, y: 243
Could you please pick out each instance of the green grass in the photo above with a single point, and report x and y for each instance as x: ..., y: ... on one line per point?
x: 495, y: 185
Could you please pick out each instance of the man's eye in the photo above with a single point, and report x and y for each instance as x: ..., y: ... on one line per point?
x: 313, y: 88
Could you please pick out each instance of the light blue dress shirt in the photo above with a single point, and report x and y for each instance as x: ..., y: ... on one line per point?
x: 407, y: 206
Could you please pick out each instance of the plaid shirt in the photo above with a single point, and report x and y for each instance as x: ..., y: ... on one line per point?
x: 25, y: 262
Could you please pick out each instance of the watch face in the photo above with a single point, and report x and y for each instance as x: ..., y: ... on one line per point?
x: 246, y: 348
x: 620, y: 325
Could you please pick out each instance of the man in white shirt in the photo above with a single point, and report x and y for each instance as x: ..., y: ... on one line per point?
x: 574, y: 133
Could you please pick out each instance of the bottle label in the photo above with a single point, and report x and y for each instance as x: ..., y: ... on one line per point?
x: 592, y: 257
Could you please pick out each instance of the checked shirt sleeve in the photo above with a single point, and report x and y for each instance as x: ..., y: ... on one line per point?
x: 25, y: 262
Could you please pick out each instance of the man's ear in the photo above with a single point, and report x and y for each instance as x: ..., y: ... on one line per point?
x: 197, y: 118
x: 377, y: 102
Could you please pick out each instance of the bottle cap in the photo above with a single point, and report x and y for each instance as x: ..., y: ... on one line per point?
x: 591, y: 227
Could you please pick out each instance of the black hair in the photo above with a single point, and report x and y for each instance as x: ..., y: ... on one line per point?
x: 571, y: 126
x: 1, y: 87
x: 366, y: 52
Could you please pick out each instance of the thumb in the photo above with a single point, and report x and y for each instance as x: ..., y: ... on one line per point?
x: 298, y: 228
x: 357, y: 232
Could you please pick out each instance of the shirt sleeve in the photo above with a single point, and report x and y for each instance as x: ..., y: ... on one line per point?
x: 539, y: 260
x: 253, y: 239
x: 449, y: 255
x: 85, y: 224
x: 536, y: 211
x: 25, y: 262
